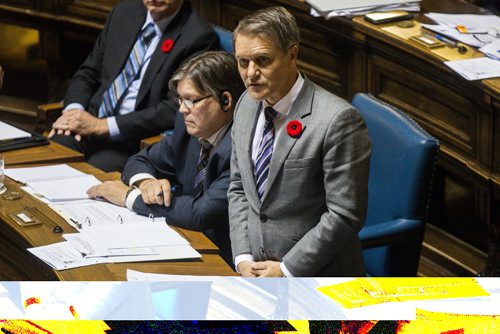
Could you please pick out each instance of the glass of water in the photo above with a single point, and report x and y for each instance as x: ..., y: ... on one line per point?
x: 2, y: 171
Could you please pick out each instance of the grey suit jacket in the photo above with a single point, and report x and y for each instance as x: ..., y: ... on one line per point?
x: 316, y: 197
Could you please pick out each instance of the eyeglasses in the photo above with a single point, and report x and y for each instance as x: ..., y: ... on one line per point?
x: 190, y: 103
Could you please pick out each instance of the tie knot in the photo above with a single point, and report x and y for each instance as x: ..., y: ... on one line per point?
x: 270, y: 114
x: 205, y: 144
x: 148, y: 33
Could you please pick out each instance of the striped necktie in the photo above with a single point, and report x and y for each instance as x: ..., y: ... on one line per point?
x: 201, y: 168
x: 129, y: 72
x: 265, y: 151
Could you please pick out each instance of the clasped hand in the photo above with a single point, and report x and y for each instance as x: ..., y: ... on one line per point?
x: 260, y: 269
x: 79, y: 123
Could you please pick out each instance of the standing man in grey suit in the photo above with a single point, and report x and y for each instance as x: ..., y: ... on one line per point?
x: 119, y: 95
x: 300, y: 161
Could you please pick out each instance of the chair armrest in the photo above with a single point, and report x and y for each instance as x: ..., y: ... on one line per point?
x: 390, y: 232
x: 150, y: 141
x: 46, y: 115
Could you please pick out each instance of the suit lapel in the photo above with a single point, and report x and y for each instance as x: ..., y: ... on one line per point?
x: 159, y: 58
x: 250, y: 116
x: 123, y: 48
x: 300, y: 109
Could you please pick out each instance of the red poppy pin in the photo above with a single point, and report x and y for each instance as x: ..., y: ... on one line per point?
x: 167, y: 45
x: 294, y: 128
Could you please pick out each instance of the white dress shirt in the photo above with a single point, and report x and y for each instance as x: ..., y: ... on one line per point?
x: 283, y: 107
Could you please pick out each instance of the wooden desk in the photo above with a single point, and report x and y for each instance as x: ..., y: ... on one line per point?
x: 52, y: 153
x: 18, y: 264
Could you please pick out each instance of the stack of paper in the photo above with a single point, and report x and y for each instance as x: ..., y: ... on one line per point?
x: 476, y: 30
x: 139, y: 242
x: 334, y: 8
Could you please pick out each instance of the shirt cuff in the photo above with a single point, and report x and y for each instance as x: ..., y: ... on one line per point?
x: 285, y: 270
x: 73, y: 106
x: 140, y: 177
x: 240, y: 258
x: 114, y: 132
x: 129, y: 201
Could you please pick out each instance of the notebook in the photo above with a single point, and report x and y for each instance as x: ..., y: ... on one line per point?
x: 56, y: 183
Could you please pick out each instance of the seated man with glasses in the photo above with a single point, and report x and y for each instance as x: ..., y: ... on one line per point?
x: 185, y: 177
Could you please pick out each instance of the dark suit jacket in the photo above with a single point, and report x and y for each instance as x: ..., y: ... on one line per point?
x: 175, y: 158
x: 153, y: 112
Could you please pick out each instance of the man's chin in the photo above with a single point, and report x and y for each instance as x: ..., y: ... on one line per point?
x: 256, y: 95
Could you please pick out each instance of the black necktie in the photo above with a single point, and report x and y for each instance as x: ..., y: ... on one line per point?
x: 201, y: 169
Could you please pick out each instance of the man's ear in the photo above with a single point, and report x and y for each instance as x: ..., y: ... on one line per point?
x: 226, y: 101
x: 293, y: 52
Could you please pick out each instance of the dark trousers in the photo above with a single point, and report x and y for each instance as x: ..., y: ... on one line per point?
x: 104, y: 154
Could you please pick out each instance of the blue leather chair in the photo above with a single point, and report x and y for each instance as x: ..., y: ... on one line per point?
x: 225, y: 38
x: 401, y: 173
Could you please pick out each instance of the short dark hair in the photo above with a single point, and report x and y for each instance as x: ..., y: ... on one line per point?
x: 211, y: 72
x: 275, y: 23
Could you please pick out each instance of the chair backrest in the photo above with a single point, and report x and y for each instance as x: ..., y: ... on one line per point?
x: 225, y: 38
x: 401, y: 168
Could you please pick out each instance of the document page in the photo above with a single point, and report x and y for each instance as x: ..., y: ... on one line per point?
x: 330, y: 5
x: 476, y: 68
x: 66, y: 189
x: 91, y: 214
x: 132, y: 235
x: 9, y: 132
x: 44, y: 173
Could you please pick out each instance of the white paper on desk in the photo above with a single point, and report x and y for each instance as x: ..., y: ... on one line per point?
x: 83, y: 243
x: 99, y: 213
x: 139, y: 254
x: 331, y: 5
x: 412, y: 6
x: 134, y: 275
x: 474, y: 23
x: 62, y: 255
x: 176, y: 252
x: 8, y: 132
x: 43, y: 173
x: 66, y: 189
x: 149, y: 234
x: 452, y: 33
x: 492, y: 50
x: 475, y: 68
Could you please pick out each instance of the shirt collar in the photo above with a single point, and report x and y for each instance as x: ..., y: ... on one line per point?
x: 217, y: 136
x: 284, y: 105
x: 162, y: 24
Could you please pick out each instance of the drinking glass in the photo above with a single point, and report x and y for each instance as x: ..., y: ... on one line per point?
x: 2, y: 165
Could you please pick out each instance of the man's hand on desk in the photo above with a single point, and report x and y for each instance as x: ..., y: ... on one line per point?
x: 155, y: 191
x: 113, y: 191
x: 80, y: 123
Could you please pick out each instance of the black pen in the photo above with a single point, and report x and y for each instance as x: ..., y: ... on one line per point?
x: 172, y: 189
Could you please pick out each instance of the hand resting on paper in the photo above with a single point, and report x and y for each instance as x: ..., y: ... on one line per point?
x: 113, y: 191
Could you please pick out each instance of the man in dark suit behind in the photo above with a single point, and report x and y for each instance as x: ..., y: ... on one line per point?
x: 208, y: 87
x: 119, y: 94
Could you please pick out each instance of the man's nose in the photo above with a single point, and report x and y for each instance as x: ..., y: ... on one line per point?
x: 253, y: 71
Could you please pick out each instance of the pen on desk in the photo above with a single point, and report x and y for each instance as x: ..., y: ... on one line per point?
x: 451, y: 43
x: 172, y: 189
